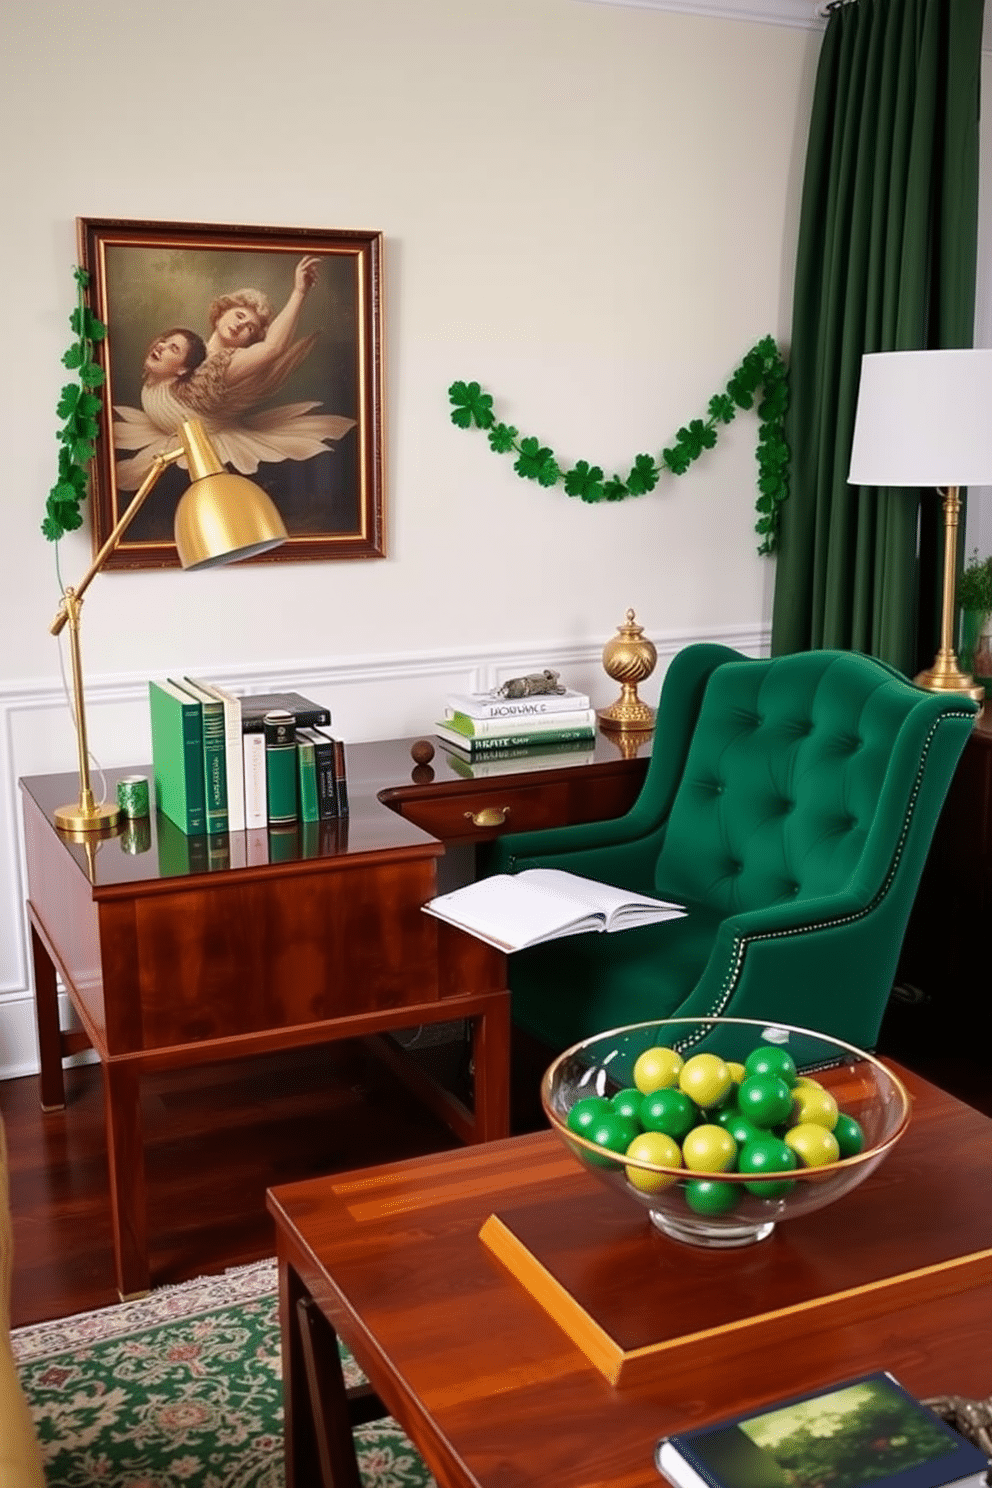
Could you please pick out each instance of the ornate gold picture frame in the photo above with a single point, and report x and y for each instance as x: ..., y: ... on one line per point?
x: 272, y: 337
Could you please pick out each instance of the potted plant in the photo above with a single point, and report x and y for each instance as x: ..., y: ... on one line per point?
x: 975, y: 600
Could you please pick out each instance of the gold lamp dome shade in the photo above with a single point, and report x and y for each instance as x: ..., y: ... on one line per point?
x: 222, y: 518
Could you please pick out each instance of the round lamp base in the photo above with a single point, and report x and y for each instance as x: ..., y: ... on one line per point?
x: 79, y: 823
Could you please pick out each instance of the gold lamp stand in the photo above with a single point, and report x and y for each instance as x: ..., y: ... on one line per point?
x: 945, y: 675
x: 222, y: 518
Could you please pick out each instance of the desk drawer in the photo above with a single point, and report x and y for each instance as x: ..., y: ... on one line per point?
x: 478, y: 815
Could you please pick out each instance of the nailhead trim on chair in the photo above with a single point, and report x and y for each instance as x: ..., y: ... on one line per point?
x: 742, y: 943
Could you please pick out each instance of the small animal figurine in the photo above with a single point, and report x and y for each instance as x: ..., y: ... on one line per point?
x: 534, y: 685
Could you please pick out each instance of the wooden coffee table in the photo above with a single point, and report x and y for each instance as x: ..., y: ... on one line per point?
x: 486, y: 1381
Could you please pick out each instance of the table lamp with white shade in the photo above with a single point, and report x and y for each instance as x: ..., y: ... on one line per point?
x: 924, y: 418
x: 222, y: 518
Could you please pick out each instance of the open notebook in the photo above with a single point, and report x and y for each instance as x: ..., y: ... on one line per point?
x: 514, y: 910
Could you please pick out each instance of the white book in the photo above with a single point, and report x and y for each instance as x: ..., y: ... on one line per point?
x: 493, y: 705
x: 499, y: 728
x: 514, y: 910
x: 234, y: 752
x: 256, y: 790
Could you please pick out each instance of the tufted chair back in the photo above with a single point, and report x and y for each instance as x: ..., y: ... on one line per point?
x: 790, y: 805
x: 784, y: 780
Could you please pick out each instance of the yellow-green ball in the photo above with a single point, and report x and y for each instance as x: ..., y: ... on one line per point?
x: 814, y: 1104
x: 813, y: 1144
x: 709, y: 1149
x: 653, y: 1147
x: 706, y: 1079
x: 657, y: 1069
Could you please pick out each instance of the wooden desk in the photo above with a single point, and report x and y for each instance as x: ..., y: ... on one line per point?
x: 177, y: 951
x: 897, y: 1275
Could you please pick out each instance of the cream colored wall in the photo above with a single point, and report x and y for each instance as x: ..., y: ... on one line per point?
x: 589, y: 209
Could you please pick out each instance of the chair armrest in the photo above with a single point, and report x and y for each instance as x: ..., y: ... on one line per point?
x: 802, y: 964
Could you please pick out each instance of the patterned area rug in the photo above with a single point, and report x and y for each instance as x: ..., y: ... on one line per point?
x: 181, y: 1389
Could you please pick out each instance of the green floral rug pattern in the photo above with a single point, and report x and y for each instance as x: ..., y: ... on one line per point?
x: 180, y: 1389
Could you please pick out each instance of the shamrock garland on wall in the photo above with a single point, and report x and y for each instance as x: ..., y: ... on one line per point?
x: 762, y: 368
x: 79, y: 409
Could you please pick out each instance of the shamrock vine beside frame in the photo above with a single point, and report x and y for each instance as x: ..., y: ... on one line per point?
x: 761, y: 369
x: 79, y: 409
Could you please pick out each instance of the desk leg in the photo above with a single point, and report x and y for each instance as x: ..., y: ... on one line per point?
x: 46, y: 1007
x: 126, y: 1162
x: 491, y: 1062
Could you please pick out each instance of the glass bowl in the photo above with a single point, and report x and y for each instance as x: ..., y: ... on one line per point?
x: 689, y: 1196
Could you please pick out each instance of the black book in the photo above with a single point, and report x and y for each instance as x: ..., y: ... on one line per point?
x: 305, y: 712
x: 323, y: 755
x: 868, y: 1430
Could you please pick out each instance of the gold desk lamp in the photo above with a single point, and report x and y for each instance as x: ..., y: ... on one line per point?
x: 222, y: 518
x: 924, y: 419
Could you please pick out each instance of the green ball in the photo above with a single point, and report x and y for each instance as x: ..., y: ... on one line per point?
x: 765, y: 1100
x: 738, y: 1125
x: 707, y: 1196
x: 612, y: 1131
x: 627, y: 1103
x: 668, y: 1111
x: 768, y: 1154
x: 585, y: 1112
x: 772, y: 1059
x: 850, y: 1137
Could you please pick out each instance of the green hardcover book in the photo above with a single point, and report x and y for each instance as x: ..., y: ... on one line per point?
x: 476, y: 748
x: 306, y: 765
x: 177, y: 756
x: 280, y: 768
x: 214, y: 753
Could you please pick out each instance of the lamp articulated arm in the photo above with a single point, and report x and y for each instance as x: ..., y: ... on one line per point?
x: 84, y: 817
x: 222, y: 518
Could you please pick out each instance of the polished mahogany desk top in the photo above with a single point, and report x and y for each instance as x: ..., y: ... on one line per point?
x: 422, y: 801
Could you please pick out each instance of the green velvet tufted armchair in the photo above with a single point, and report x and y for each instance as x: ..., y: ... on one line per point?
x: 789, y: 804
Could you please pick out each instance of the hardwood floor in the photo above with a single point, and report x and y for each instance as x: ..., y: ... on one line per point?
x: 218, y: 1137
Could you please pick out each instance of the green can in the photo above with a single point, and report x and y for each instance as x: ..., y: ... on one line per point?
x: 132, y: 796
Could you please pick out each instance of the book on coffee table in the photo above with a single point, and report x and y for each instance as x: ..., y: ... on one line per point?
x: 515, y: 910
x: 865, y: 1431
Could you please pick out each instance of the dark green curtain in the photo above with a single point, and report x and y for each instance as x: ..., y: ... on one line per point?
x: 885, y: 262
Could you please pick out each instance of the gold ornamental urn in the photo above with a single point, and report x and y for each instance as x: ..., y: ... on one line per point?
x: 629, y: 658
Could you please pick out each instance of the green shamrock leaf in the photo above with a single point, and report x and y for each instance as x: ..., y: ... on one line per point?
x: 502, y: 438
x: 721, y: 408
x: 643, y: 476
x: 533, y: 459
x: 91, y: 376
x: 585, y: 481
x: 614, y: 489
x: 68, y: 399
x: 471, y: 405
x: 677, y: 459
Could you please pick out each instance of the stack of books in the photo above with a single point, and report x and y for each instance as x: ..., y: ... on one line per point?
x: 483, y: 724
x: 218, y: 768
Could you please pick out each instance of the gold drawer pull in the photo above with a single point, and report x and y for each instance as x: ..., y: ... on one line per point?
x: 489, y: 816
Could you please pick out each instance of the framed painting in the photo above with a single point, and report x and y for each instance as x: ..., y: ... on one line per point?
x: 272, y: 338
